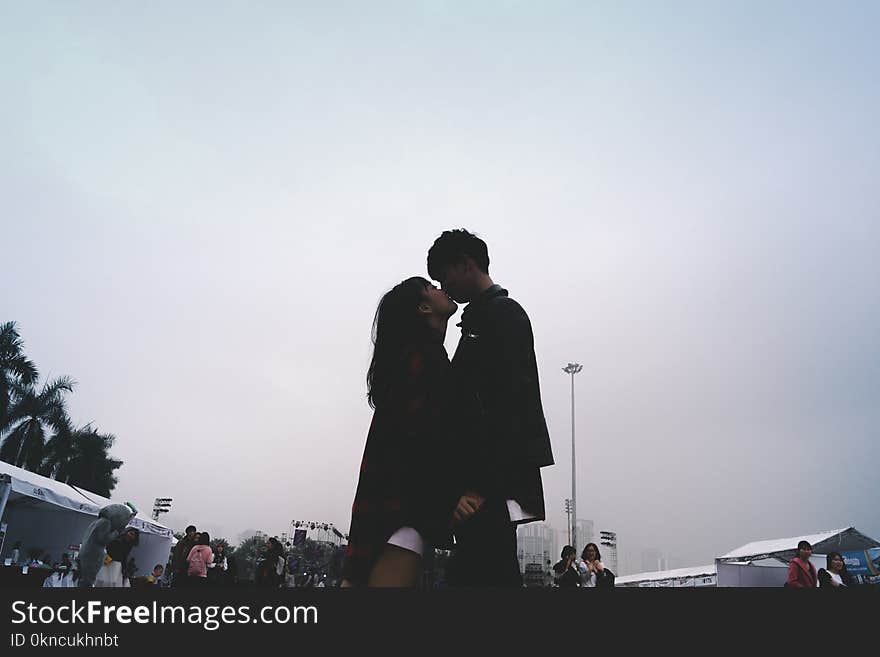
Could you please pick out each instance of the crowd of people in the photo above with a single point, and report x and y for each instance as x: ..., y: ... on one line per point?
x: 194, y: 563
x: 117, y: 570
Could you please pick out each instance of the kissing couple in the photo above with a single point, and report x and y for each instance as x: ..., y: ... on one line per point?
x: 455, y: 449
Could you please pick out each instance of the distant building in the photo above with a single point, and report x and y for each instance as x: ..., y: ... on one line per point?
x: 585, y: 534
x: 536, y: 543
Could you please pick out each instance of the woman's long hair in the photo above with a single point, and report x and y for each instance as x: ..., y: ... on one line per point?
x: 595, y: 547
x: 396, y: 326
x: 844, y: 573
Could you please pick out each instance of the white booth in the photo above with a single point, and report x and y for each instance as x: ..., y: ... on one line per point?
x: 765, y: 563
x: 53, y: 516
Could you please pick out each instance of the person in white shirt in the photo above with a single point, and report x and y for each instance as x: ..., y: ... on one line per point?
x: 835, y: 575
x: 591, y: 569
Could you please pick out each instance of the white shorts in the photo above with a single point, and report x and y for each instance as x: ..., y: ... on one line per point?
x: 409, y: 539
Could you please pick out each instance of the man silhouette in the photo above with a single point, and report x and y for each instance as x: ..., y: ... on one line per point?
x: 507, y: 444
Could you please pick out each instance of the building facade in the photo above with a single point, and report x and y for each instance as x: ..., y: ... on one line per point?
x: 537, y: 543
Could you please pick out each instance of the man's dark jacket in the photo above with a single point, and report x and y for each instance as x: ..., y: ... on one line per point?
x: 497, y: 376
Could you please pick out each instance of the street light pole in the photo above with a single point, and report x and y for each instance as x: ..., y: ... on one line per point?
x: 568, y: 518
x: 572, y: 369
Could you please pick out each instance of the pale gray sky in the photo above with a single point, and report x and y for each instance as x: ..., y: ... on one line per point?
x: 202, y: 204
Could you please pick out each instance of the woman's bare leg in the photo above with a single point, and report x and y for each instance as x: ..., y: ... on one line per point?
x: 396, y: 567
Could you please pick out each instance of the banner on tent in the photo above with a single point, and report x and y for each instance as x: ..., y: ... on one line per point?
x: 864, y: 564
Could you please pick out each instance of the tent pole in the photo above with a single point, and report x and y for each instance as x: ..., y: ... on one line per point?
x: 6, y: 483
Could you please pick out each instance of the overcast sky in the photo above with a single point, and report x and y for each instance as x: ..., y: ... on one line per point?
x: 202, y: 203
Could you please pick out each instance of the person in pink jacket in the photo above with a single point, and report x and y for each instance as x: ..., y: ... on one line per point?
x: 198, y: 559
x: 801, y: 573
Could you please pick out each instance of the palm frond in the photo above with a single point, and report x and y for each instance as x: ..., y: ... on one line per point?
x: 22, y: 368
x: 56, y: 387
x: 12, y: 359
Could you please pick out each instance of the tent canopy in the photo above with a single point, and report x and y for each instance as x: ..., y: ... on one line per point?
x: 678, y: 573
x: 840, y: 540
x: 49, y: 514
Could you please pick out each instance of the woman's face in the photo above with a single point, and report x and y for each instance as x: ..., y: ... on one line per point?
x: 836, y: 563
x: 804, y: 553
x: 439, y: 302
x: 591, y: 553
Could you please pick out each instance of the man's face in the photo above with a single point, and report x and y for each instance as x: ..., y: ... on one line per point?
x: 456, y: 282
x: 130, y: 536
x: 157, y: 571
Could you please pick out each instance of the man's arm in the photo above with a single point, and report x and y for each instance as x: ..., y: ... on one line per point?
x: 515, y: 386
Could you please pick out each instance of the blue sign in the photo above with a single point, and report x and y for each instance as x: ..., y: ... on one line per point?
x: 864, y: 564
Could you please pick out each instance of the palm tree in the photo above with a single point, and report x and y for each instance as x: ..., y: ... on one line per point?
x: 60, y: 449
x: 88, y: 464
x: 15, y: 368
x: 30, y: 414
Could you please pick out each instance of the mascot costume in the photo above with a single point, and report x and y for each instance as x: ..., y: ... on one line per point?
x: 111, y: 523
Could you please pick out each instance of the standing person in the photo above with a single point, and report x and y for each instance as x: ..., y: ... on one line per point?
x: 268, y: 566
x: 198, y: 560
x: 232, y: 570
x: 405, y: 495
x: 217, y: 572
x: 566, y: 574
x: 801, y: 573
x: 279, y: 563
x: 113, y: 573
x: 181, y: 552
x: 835, y: 574
x: 593, y: 572
x: 495, y: 366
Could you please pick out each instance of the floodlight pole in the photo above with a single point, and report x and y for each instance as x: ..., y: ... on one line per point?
x: 572, y: 369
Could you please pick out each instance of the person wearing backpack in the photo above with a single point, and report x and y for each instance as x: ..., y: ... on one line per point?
x: 197, y: 561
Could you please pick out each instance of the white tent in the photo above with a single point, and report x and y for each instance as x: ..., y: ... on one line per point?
x: 691, y: 577
x: 53, y: 516
x: 765, y: 563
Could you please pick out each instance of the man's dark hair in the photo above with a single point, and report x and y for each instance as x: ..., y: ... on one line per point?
x: 136, y: 532
x: 451, y: 248
x: 189, y: 529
